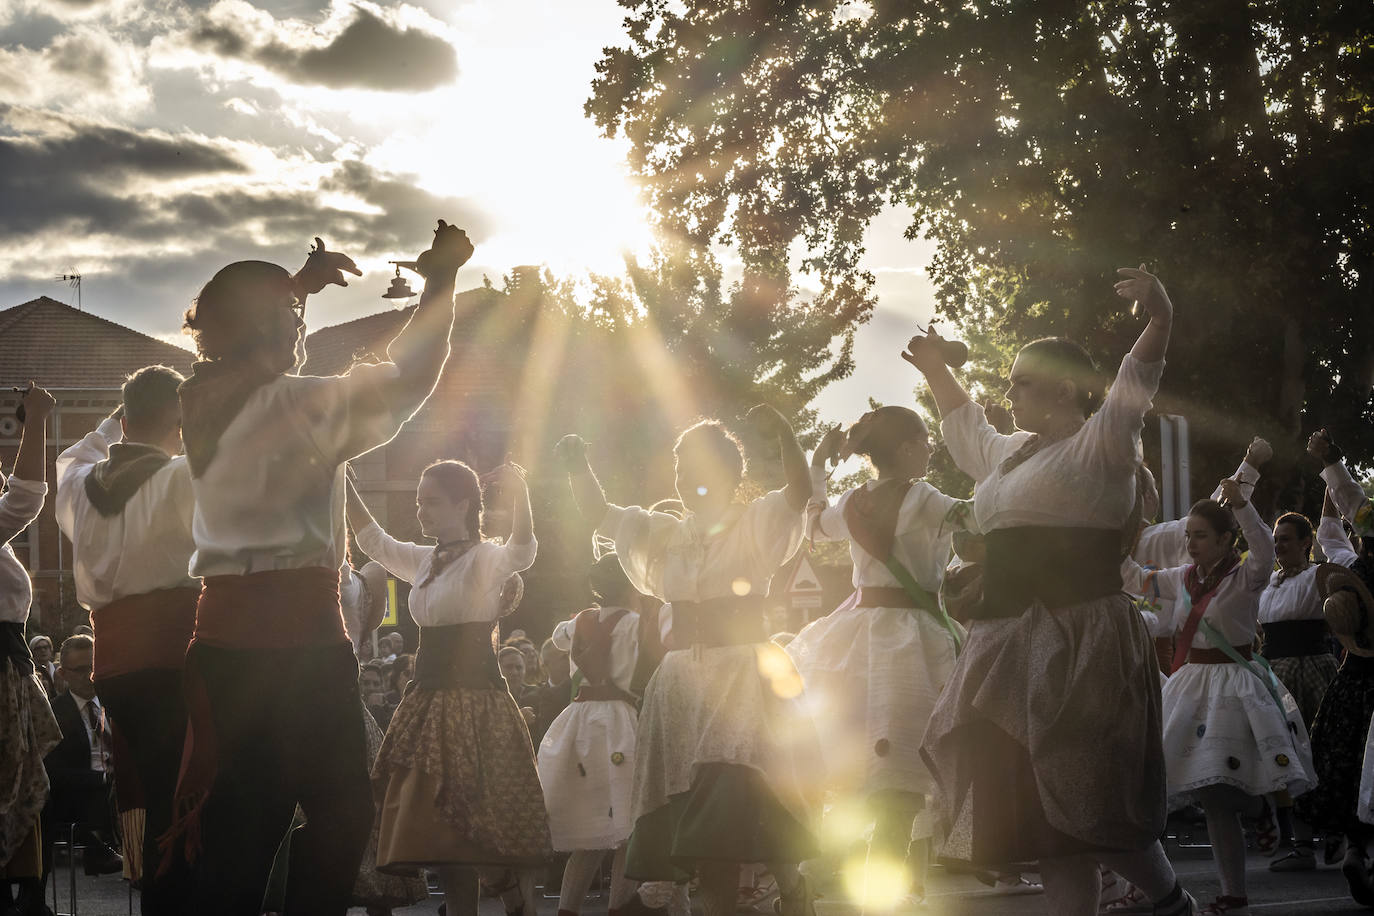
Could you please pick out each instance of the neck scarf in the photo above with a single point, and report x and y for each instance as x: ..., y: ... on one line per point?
x: 210, y: 400
x: 444, y: 555
x: 1198, y: 586
x: 114, y: 481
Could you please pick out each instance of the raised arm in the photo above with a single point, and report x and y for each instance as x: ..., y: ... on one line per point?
x: 1331, y: 536
x: 1260, y: 561
x: 30, y: 463
x: 401, y: 558
x: 1144, y: 288
x: 772, y: 424
x: 571, y: 452
x: 510, y: 479
x: 1345, y: 491
x: 923, y: 351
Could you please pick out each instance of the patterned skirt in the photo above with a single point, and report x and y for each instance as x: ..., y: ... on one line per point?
x: 1046, y: 742
x: 373, y: 887
x: 1338, y: 743
x: 30, y: 732
x: 458, y: 783
x: 1222, y: 727
x: 728, y: 765
x: 1306, y: 677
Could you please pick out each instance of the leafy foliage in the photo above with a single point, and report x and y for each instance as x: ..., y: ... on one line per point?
x: 1041, y: 144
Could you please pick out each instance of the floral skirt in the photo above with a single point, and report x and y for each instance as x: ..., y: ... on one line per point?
x: 458, y: 783
x: 1046, y: 741
x: 373, y: 887
x: 30, y: 732
x: 1338, y: 742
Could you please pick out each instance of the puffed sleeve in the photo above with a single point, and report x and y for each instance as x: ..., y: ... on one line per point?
x: 1162, y: 544
x: 641, y: 540
x: 1349, y: 498
x: 1116, y: 425
x: 346, y: 415
x: 401, y: 558
x: 1259, y: 563
x: 1335, y: 545
x: 926, y: 507
x: 563, y: 634
x: 775, y: 528
x: 501, y: 560
x: 92, y: 449
x: 974, y: 445
x: 828, y: 524
x: 20, y: 506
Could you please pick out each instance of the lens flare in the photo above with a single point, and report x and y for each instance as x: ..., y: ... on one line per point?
x: 741, y: 587
x: 875, y: 882
x: 777, y: 669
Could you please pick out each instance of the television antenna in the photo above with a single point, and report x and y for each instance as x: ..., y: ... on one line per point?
x: 73, y: 280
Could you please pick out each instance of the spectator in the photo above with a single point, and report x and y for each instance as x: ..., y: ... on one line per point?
x: 371, y: 686
x: 398, y: 675
x: 41, y: 648
x: 80, y: 768
x: 387, y: 649
x: 554, y: 695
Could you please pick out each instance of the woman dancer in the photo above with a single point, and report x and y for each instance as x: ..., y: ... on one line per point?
x: 26, y: 719
x: 1231, y: 736
x: 875, y: 666
x: 587, y: 759
x: 1045, y: 743
x: 724, y: 756
x: 457, y: 767
x: 1296, y: 643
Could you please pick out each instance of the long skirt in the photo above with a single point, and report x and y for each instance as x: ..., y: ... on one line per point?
x: 728, y: 764
x: 1338, y: 740
x: 458, y: 783
x: 873, y: 676
x: 374, y: 887
x: 586, y: 768
x: 1046, y: 742
x: 29, y: 733
x: 1306, y: 677
x: 1222, y: 727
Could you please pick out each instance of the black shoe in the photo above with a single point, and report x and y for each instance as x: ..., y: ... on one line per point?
x: 101, y: 861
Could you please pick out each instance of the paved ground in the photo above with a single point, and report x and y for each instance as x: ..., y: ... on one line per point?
x: 1309, y: 894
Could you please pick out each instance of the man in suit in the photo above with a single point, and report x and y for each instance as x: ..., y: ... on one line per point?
x: 80, y: 768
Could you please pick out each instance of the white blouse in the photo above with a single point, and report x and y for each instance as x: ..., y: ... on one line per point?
x: 1296, y: 597
x: 467, y: 590
x: 1084, y: 481
x: 674, y: 560
x: 1165, y: 544
x: 273, y: 496
x: 144, y: 548
x: 1235, y: 608
x: 624, y: 644
x: 1355, y: 507
x: 922, y: 542
x: 18, y: 508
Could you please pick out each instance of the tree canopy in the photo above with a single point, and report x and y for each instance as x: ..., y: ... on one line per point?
x: 1041, y: 144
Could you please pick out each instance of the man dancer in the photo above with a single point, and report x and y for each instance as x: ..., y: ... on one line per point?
x: 271, y: 681
x: 125, y: 503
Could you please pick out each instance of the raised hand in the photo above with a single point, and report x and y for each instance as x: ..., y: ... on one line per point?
x: 1145, y: 290
x: 571, y: 451
x: 323, y: 267
x: 1258, y: 453
x: 767, y: 421
x: 505, y: 478
x: 828, y: 449
x: 1319, y: 445
x: 924, y: 351
x: 1231, y: 495
x: 451, y: 250
x: 37, y: 403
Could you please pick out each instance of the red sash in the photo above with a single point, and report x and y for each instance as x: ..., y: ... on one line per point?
x: 1184, y: 641
x: 277, y: 609
x: 140, y: 632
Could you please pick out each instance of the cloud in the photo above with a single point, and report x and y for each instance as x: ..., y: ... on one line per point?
x: 83, y: 69
x: 366, y: 52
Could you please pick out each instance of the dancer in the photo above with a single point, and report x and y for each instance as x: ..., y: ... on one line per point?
x: 874, y: 667
x: 587, y: 759
x: 26, y: 721
x: 1231, y: 733
x: 271, y: 680
x: 725, y: 759
x: 1296, y: 644
x: 1045, y: 744
x: 124, y: 500
x: 1342, y: 724
x: 457, y: 767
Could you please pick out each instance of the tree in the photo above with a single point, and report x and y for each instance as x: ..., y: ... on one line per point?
x: 1041, y: 144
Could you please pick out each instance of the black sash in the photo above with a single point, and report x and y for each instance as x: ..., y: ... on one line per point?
x: 1291, y: 638
x: 1059, y: 567
x: 14, y: 648
x: 726, y: 621
x: 457, y: 656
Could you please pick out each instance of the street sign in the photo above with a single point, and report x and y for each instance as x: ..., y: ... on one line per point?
x: 389, y: 618
x: 804, y: 580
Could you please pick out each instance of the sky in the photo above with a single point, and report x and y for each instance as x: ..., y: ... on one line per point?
x: 145, y: 144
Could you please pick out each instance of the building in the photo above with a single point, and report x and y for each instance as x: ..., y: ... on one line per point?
x: 83, y: 359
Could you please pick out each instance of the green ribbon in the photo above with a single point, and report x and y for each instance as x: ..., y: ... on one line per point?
x: 924, y: 600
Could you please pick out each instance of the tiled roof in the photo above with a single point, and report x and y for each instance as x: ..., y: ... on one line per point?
x: 62, y: 347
